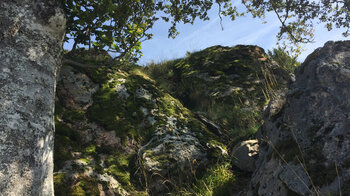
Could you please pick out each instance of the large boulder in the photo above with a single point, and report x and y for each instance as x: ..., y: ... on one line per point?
x: 227, y: 85
x: 244, y: 155
x: 117, y: 133
x: 305, y: 140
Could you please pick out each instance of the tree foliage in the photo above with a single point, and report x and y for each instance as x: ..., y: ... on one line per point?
x: 119, y: 26
x: 297, y: 17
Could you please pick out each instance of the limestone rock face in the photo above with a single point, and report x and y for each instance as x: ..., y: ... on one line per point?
x: 31, y: 38
x: 75, y: 89
x: 118, y: 133
x: 244, y: 155
x: 305, y: 144
x: 173, y: 149
x: 226, y: 85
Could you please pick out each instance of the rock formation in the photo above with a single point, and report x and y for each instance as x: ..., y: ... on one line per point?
x: 227, y: 85
x: 118, y: 133
x: 305, y: 143
x: 244, y: 155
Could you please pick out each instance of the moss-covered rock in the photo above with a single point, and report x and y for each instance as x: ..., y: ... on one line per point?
x: 120, y: 131
x: 132, y: 138
x: 229, y: 85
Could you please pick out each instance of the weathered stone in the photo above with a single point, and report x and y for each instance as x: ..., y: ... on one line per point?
x: 305, y: 144
x: 31, y: 38
x: 245, y: 154
x: 108, y: 138
x: 171, y: 155
x: 131, y: 124
x: 75, y: 89
x: 228, y: 85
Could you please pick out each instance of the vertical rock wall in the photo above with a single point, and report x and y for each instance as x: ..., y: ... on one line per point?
x: 31, y: 37
x: 305, y: 143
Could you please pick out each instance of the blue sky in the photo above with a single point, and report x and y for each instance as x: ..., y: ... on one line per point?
x: 202, y: 34
x: 244, y: 30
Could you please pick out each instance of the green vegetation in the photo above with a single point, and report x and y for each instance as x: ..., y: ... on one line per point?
x: 85, y: 186
x: 60, y: 183
x: 66, y: 140
x: 118, y: 166
x: 73, y: 115
x: 130, y: 104
x: 284, y: 59
x: 230, y: 86
x: 219, y: 180
x: 121, y: 26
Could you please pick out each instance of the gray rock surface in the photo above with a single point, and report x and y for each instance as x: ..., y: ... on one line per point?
x: 31, y: 38
x: 305, y: 142
x: 133, y: 138
x: 173, y: 152
x: 75, y: 89
x: 245, y: 154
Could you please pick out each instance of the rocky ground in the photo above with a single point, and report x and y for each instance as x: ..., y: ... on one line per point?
x: 178, y: 127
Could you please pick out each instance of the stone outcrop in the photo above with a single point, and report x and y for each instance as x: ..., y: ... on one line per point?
x: 226, y: 85
x: 75, y: 89
x: 245, y: 154
x: 172, y: 154
x: 118, y: 133
x: 305, y: 140
x: 31, y: 38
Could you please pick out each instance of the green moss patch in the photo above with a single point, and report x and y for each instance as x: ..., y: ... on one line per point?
x: 229, y: 85
x: 60, y: 184
x: 66, y: 141
x: 85, y: 186
x: 118, y: 166
x: 121, y: 115
x: 73, y: 115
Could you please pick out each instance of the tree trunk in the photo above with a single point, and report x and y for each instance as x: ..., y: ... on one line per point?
x: 31, y: 38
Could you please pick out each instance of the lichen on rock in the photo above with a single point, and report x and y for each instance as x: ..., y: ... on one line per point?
x: 129, y: 134
x: 30, y: 53
x: 304, y: 146
x: 228, y: 85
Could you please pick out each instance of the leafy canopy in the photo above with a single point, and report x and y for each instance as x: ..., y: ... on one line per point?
x: 297, y: 17
x: 119, y: 26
